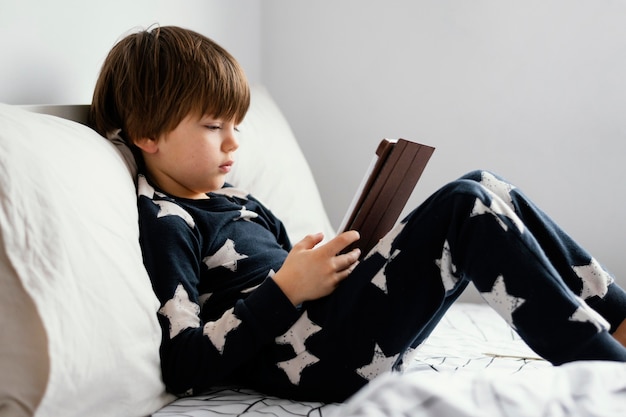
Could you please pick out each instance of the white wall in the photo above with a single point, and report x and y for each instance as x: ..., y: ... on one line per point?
x: 52, y: 51
x: 534, y: 90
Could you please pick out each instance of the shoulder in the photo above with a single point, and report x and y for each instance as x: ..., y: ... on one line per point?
x: 156, y: 205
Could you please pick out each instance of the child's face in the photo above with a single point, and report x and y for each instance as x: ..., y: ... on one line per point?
x: 194, y: 158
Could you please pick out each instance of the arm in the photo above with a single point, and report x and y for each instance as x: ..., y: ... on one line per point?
x: 197, y: 354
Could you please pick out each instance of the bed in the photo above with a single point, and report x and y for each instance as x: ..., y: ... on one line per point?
x: 80, y: 336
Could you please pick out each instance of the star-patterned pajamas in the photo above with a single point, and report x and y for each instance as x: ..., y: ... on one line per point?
x: 224, y: 321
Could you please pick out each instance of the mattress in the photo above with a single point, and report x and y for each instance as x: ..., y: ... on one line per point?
x: 469, y: 338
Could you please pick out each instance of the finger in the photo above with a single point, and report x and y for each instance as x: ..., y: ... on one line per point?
x: 310, y: 241
x: 348, y: 260
x: 341, y: 275
x: 342, y: 240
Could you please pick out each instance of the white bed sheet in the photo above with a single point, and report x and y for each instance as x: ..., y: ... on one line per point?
x: 473, y: 364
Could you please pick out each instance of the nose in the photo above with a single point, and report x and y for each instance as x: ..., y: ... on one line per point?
x: 231, y: 143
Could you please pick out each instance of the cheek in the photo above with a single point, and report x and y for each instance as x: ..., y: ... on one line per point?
x: 202, y: 157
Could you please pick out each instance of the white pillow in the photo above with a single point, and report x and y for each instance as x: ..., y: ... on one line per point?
x: 77, y: 312
x: 269, y: 163
x: 78, y: 315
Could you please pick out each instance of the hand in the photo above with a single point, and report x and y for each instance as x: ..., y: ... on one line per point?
x: 311, y: 272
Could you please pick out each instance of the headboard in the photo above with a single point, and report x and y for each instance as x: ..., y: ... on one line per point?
x: 76, y: 112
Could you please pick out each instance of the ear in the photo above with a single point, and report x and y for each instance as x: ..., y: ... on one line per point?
x: 147, y: 145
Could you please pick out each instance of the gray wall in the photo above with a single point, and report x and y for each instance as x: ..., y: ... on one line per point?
x: 51, y: 51
x: 534, y: 90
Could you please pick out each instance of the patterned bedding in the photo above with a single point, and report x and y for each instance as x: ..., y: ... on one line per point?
x: 470, y: 337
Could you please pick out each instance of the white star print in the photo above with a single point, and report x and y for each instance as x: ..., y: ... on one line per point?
x: 584, y: 313
x: 226, y: 256
x: 384, y: 245
x: 500, y: 300
x: 217, y: 330
x: 167, y: 208
x: 380, y: 279
x: 408, y: 357
x: 500, y: 188
x: 298, y: 333
x: 595, y: 279
x: 379, y: 364
x: 296, y: 336
x: 181, y: 312
x: 143, y: 188
x: 246, y: 214
x: 447, y: 268
x: 498, y: 206
x: 294, y: 367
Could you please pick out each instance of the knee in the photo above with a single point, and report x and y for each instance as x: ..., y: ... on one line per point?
x: 467, y: 185
x: 478, y: 175
x: 478, y: 184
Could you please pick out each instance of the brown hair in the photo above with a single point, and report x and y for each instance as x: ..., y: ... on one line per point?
x: 153, y: 79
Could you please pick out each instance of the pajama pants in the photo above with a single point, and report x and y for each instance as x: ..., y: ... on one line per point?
x: 481, y: 229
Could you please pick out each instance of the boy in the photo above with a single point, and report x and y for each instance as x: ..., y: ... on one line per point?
x: 240, y: 305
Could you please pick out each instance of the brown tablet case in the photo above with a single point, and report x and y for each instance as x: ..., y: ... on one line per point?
x: 382, y: 196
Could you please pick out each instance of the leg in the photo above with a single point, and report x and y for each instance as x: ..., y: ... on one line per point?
x: 359, y: 331
x: 620, y: 333
x: 543, y: 277
x: 397, y: 294
x: 578, y: 269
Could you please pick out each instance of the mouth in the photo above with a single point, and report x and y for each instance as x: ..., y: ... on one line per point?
x: 226, y: 166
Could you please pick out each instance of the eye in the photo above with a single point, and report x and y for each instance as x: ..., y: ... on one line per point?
x: 213, y: 127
